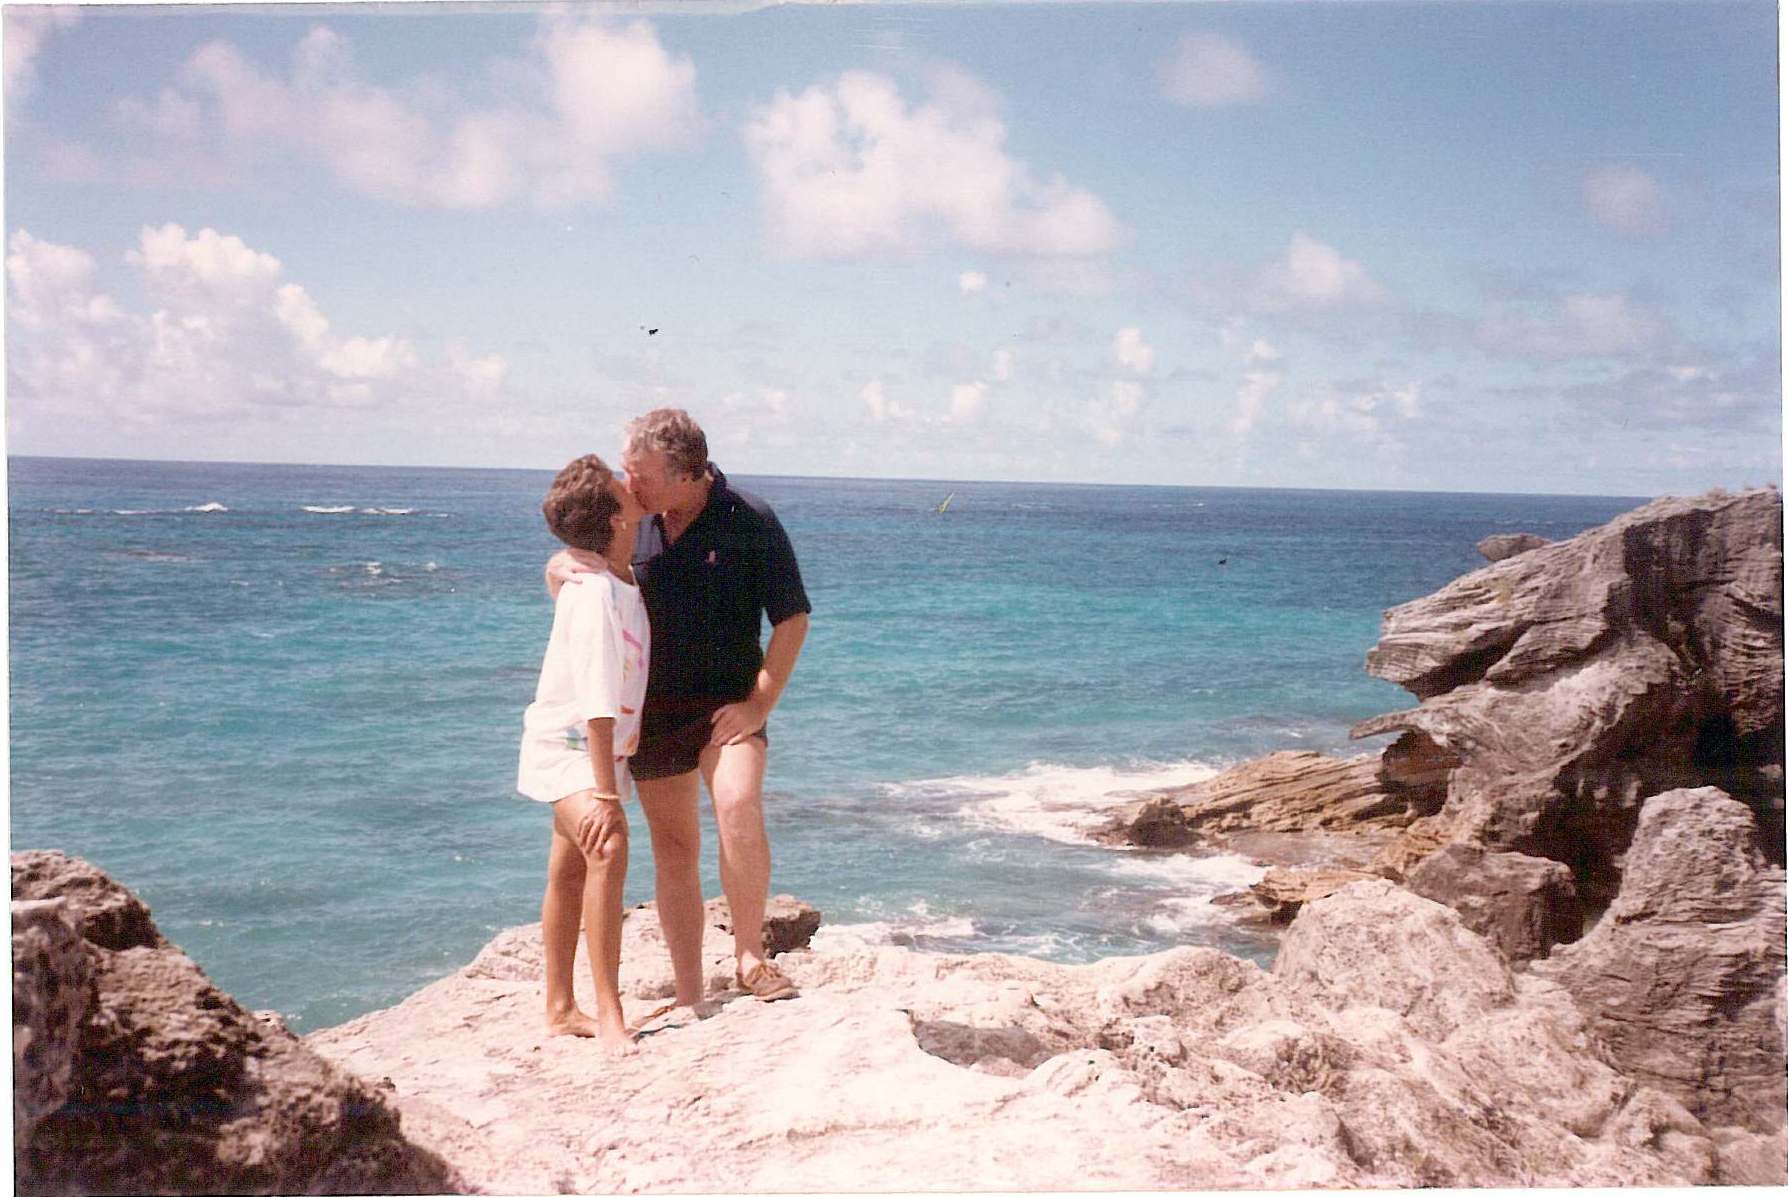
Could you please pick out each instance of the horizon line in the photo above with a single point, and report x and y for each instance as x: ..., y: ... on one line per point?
x: 890, y: 478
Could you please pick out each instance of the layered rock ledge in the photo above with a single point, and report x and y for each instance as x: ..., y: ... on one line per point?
x: 1390, y: 1046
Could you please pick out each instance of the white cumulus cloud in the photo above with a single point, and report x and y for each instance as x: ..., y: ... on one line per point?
x: 1312, y: 276
x: 967, y: 399
x: 1366, y: 410
x: 221, y: 331
x: 1209, y: 70
x: 1261, y: 378
x: 592, y: 92
x: 850, y: 167
x: 1626, y: 200
x: 1129, y: 350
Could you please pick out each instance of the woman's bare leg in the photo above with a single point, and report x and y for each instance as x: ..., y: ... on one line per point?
x: 560, y: 913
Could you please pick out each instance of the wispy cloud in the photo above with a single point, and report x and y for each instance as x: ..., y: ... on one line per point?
x: 1209, y: 70
x: 1577, y: 325
x: 1625, y: 200
x: 27, y: 29
x: 851, y: 167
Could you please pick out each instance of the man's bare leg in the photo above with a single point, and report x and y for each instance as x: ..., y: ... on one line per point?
x: 560, y: 912
x: 670, y: 804
x: 735, y: 777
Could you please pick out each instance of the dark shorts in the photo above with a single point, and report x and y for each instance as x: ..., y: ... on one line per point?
x: 672, y: 736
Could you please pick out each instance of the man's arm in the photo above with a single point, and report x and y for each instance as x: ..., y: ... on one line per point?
x: 559, y: 569
x: 739, y: 720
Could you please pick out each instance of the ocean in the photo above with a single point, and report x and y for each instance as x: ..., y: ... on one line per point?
x: 281, y: 703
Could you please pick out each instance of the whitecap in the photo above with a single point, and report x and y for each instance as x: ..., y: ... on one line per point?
x: 328, y: 510
x: 207, y: 507
x: 1064, y: 803
x: 133, y: 511
x: 387, y: 511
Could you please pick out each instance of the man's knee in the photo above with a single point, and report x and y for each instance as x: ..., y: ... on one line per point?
x: 739, y: 809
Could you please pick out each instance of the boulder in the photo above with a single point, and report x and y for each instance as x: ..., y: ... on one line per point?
x: 1504, y: 545
x: 1683, y: 976
x: 1522, y: 904
x: 163, y: 1083
x: 1575, y: 679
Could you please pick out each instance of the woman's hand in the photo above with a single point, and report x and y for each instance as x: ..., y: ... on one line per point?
x: 561, y: 567
x: 602, y: 826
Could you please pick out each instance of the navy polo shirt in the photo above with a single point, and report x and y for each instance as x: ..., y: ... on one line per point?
x: 708, y: 592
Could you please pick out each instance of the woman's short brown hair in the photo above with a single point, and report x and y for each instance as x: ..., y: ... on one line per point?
x: 579, y: 503
x: 674, y: 433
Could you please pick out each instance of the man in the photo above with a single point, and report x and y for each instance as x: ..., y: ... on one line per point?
x: 712, y: 563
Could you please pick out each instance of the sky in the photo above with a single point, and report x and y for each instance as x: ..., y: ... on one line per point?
x: 1496, y: 247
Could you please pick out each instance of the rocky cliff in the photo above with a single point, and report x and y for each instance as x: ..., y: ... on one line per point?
x: 132, y: 1073
x: 1560, y: 687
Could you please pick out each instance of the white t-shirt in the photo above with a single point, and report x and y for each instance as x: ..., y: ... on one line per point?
x: 595, y: 668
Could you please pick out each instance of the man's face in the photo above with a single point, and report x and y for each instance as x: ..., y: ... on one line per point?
x: 655, y: 485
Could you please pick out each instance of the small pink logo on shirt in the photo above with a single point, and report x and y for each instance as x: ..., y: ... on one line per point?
x: 710, y: 556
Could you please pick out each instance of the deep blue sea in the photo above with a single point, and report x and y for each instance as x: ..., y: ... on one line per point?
x: 282, y: 702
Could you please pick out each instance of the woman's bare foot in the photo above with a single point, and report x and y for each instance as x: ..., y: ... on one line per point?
x: 573, y: 1022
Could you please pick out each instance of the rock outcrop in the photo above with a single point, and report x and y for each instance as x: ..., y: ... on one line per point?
x: 1522, y: 904
x: 1504, y: 545
x: 134, y: 1074
x: 1576, y: 679
x: 1683, y: 977
x: 1391, y: 1047
x: 1283, y: 792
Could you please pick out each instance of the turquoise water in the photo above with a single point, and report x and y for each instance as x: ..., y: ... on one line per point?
x: 281, y: 702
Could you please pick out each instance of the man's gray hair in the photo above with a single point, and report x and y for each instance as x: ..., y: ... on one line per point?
x: 674, y: 433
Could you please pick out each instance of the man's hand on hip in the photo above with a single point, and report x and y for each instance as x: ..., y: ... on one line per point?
x: 738, y: 721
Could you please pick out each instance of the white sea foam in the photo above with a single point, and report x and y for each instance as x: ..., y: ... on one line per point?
x: 1177, y: 916
x: 1061, y: 802
x: 387, y: 511
x: 1214, y: 873
x: 320, y: 510
x: 207, y: 507
x: 904, y: 932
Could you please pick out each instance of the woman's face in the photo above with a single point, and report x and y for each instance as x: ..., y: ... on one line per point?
x: 628, y: 518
